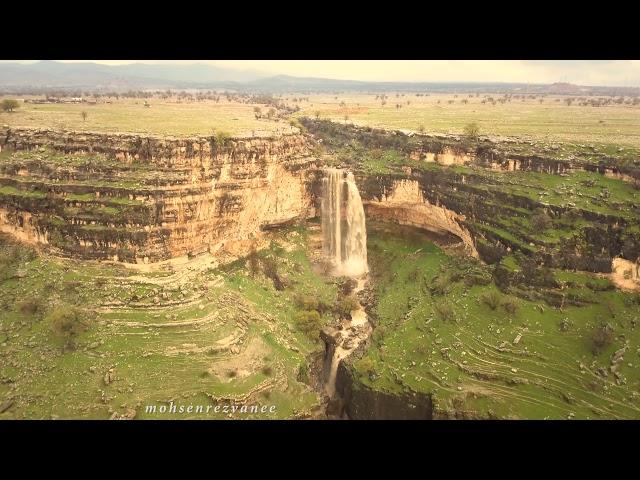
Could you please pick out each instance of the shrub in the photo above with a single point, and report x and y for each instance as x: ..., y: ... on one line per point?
x: 540, y: 221
x: 253, y: 262
x: 345, y: 305
x: 221, y: 138
x: 306, y: 302
x: 491, y: 299
x: 444, y: 311
x: 309, y: 322
x: 270, y: 269
x: 510, y: 306
x: 67, y: 322
x: 367, y: 365
x: 440, y: 284
x: 601, y: 338
x: 32, y: 306
x: 472, y: 130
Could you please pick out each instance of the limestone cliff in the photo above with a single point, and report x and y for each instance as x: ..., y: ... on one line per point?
x: 404, y: 203
x: 146, y: 198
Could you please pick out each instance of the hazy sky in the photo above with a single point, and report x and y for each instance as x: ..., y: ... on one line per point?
x: 585, y: 72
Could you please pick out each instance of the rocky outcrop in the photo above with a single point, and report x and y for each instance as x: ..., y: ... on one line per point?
x: 625, y: 273
x: 145, y: 199
x: 403, y: 202
x: 361, y: 402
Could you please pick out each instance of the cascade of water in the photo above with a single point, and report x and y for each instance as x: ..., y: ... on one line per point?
x: 343, y: 224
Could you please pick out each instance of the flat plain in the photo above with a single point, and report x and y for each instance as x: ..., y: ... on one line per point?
x: 543, y: 118
x: 162, y: 117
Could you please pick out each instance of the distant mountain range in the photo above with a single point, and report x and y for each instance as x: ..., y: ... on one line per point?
x: 44, y: 75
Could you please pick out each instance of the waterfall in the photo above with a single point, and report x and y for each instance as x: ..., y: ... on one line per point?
x: 343, y: 225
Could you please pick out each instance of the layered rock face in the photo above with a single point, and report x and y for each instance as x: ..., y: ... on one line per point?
x: 491, y: 197
x: 403, y: 202
x: 145, y: 199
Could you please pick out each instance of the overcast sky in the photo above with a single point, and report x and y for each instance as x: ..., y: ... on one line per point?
x: 584, y: 72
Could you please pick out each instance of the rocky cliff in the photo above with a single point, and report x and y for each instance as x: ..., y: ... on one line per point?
x: 145, y: 199
x: 403, y: 202
x: 564, y: 213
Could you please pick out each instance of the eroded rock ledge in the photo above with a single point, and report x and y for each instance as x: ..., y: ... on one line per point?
x: 147, y: 198
x: 404, y: 203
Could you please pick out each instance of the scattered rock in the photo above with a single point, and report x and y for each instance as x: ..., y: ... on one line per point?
x: 6, y: 405
x: 20, y: 274
x: 109, y: 377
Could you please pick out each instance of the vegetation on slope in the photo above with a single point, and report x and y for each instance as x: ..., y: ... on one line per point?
x: 96, y: 340
x: 444, y: 328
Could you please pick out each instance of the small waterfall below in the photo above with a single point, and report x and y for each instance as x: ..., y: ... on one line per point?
x: 343, y: 224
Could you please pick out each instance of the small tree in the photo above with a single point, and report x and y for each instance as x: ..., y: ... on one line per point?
x: 317, y: 114
x: 254, y: 262
x: 601, y: 338
x: 444, y: 311
x: 9, y: 105
x: 84, y: 116
x: 540, y: 221
x: 257, y: 111
x: 270, y: 269
x: 309, y: 322
x: 67, y: 322
x: 510, y: 306
x: 491, y: 299
x: 472, y: 131
x: 222, y: 138
x: 32, y: 306
x: 307, y: 302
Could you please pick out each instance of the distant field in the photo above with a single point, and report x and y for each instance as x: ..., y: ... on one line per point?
x: 164, y: 117
x: 552, y: 119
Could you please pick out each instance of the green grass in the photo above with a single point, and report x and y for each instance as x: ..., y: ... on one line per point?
x: 471, y: 365
x: 155, y: 359
x: 15, y: 192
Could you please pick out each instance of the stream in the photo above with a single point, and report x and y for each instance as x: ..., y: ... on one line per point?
x: 352, y: 333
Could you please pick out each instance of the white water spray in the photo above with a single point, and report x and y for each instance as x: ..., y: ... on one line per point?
x: 343, y: 225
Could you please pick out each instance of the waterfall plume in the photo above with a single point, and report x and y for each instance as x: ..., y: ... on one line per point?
x: 343, y: 224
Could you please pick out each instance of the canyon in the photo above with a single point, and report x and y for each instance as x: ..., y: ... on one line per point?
x: 146, y: 200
